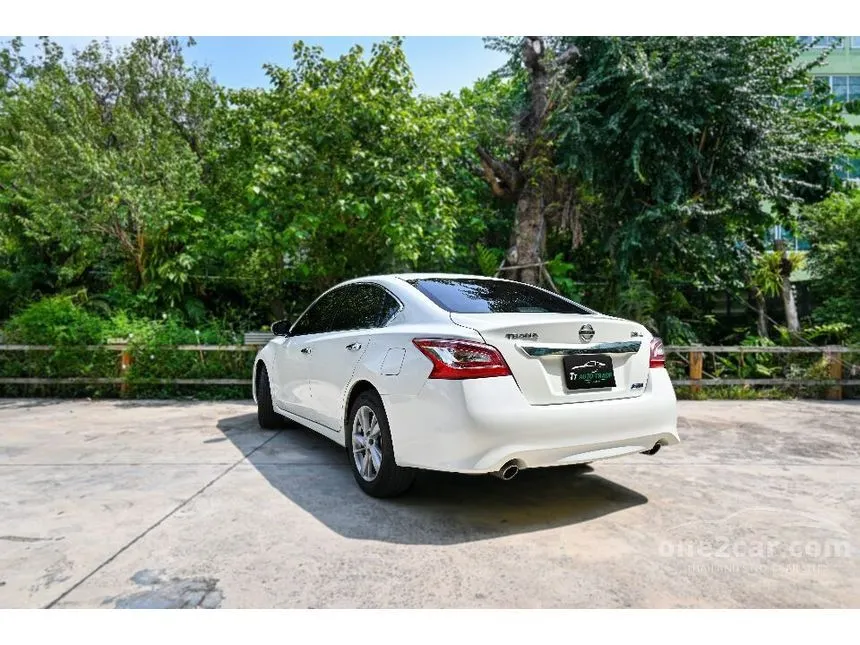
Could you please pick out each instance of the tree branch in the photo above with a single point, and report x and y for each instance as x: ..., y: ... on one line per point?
x: 569, y: 55
x: 533, y: 53
x: 9, y: 77
x: 189, y: 137
x: 503, y: 178
x: 490, y: 178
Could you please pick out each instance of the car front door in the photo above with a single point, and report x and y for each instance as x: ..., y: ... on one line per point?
x: 291, y: 387
x: 358, y: 309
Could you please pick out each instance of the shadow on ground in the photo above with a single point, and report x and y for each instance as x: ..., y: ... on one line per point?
x: 19, y: 404
x: 440, y: 509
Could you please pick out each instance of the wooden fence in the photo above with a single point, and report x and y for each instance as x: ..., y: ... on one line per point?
x: 694, y: 357
x: 125, y: 362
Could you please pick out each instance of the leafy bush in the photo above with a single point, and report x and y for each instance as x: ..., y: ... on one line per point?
x: 828, y: 334
x: 831, y: 228
x: 59, y: 321
x: 488, y: 259
x: 153, y: 357
x: 62, y: 322
x: 56, y: 320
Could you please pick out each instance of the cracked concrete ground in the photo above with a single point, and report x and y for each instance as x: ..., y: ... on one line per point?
x: 177, y: 504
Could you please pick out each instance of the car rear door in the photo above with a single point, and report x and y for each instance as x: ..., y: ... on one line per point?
x: 357, y: 310
x: 291, y: 389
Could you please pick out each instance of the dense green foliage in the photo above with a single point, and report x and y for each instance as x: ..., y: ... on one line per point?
x: 833, y: 229
x: 140, y: 200
x: 683, y: 152
x: 339, y: 170
x: 101, y: 169
x: 68, y: 322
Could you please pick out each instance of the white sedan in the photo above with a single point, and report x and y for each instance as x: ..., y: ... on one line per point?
x: 465, y: 374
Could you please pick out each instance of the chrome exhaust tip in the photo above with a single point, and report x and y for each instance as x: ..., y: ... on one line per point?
x: 653, y: 450
x: 508, y: 471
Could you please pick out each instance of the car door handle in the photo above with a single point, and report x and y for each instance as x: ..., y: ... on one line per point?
x: 305, y: 350
x: 354, y: 347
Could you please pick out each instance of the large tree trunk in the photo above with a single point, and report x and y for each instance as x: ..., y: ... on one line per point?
x: 524, y: 177
x: 792, y: 321
x: 761, y: 321
x: 530, y: 216
x: 530, y: 235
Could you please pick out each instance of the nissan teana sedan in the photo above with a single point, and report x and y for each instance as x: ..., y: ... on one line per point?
x: 464, y: 374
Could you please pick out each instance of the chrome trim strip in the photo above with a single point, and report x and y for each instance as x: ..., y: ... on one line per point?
x: 623, y: 347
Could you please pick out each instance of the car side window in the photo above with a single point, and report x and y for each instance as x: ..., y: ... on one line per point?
x: 390, y: 307
x: 317, y: 319
x: 358, y: 306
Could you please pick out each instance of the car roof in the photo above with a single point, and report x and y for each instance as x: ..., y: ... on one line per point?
x: 397, y: 283
x: 430, y: 276
x: 424, y: 276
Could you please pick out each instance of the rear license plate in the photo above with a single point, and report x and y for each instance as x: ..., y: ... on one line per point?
x: 588, y: 371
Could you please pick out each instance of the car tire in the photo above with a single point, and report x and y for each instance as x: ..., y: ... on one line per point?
x: 389, y: 479
x: 266, y: 415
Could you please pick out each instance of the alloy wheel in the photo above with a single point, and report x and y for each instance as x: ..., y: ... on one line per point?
x: 366, y: 446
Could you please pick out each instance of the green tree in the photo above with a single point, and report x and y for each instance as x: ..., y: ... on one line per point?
x: 101, y: 163
x: 339, y: 170
x: 660, y: 152
x: 520, y: 165
x: 832, y: 230
x: 770, y: 278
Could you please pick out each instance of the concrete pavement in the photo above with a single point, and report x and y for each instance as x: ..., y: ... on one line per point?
x: 180, y: 504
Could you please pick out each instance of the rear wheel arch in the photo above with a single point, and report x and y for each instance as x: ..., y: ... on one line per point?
x: 359, y: 387
x: 389, y: 479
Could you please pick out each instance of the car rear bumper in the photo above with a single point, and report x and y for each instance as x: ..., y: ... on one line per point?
x: 476, y: 426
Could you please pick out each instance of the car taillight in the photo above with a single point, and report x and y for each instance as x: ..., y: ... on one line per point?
x: 658, y: 356
x: 462, y: 359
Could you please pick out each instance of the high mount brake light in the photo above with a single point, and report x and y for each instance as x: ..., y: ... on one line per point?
x: 658, y: 355
x: 461, y: 359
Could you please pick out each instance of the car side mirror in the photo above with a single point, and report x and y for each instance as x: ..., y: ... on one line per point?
x: 281, y: 328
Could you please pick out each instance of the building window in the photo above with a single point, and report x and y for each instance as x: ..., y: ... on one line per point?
x: 823, y: 42
x: 855, y: 42
x: 843, y: 87
x: 849, y: 170
x: 839, y: 88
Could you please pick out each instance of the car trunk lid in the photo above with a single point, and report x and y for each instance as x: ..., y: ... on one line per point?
x: 536, y: 347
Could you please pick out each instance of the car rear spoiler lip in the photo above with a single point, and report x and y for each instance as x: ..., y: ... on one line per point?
x: 622, y: 347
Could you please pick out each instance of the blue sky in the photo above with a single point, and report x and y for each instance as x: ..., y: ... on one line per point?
x: 439, y: 64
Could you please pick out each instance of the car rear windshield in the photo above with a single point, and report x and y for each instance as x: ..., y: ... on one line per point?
x: 476, y: 296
